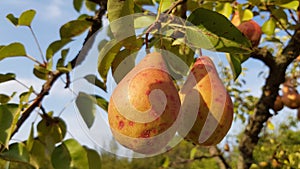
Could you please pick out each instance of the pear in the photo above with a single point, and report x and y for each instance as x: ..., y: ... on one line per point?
x: 278, y: 104
x: 144, y: 106
x: 252, y: 31
x: 206, y: 105
x: 290, y: 97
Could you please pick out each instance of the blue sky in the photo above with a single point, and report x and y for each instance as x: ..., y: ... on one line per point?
x: 50, y: 16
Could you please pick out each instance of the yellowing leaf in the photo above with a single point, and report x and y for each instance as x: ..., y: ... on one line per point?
x: 269, y: 27
x: 290, y: 5
x: 27, y: 17
x: 247, y: 15
x: 270, y: 125
x: 224, y: 9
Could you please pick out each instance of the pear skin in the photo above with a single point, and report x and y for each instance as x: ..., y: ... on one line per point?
x: 252, y: 31
x: 214, y: 111
x: 143, y: 108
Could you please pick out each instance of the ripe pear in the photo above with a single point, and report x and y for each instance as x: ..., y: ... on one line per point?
x: 143, y: 108
x: 290, y: 97
x: 212, y: 112
x: 252, y: 31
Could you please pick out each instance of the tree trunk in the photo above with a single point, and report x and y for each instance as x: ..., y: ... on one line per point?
x: 278, y: 66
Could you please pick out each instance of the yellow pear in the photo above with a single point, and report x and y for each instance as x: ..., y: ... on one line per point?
x: 143, y: 108
x: 206, y: 105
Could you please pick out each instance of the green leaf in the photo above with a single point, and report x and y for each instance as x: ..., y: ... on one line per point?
x: 101, y: 102
x: 143, y: 21
x: 106, y: 57
x: 281, y: 16
x: 40, y: 155
x: 24, y: 97
x: 4, y: 98
x: 214, y: 31
x: 193, y: 153
x: 83, y: 17
x: 122, y: 64
x: 51, y: 130
x: 118, y: 9
x: 26, y: 18
x: 12, y: 50
x: 235, y: 65
x: 7, y: 77
x: 14, y: 20
x: 70, y: 154
x: 17, y: 152
x: 9, y: 113
x: 61, y: 158
x: 93, y: 158
x: 95, y: 81
x: 166, y: 162
x: 124, y: 27
x: 166, y: 5
x: 74, y: 28
x: 64, y: 53
x: 77, y: 4
x: 55, y: 47
x: 224, y: 9
x: 64, y: 69
x: 91, y: 6
x: 177, y: 68
x: 40, y: 72
x: 29, y: 141
x: 86, y: 107
x: 290, y: 5
x: 269, y: 27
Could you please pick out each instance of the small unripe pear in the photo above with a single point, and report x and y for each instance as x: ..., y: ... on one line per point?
x: 206, y: 102
x: 252, y: 31
x: 144, y: 107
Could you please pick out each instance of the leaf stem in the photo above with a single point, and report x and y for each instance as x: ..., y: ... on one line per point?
x: 22, y: 84
x: 33, y: 59
x: 37, y: 43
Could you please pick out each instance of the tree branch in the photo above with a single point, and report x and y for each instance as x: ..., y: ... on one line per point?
x: 270, y: 91
x: 219, y: 158
x: 96, y: 25
x: 263, y: 55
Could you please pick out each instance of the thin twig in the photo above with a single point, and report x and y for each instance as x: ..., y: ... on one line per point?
x: 175, y: 4
x: 37, y: 43
x: 22, y: 84
x: 292, y: 16
x: 283, y: 27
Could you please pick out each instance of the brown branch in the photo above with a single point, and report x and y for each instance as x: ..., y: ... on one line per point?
x: 174, y: 5
x: 219, y: 158
x: 283, y: 27
x: 270, y: 91
x: 263, y: 55
x: 292, y: 16
x: 96, y: 25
